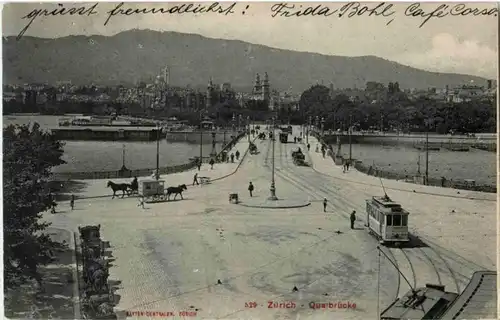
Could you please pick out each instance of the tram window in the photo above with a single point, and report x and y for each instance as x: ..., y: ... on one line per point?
x: 405, y: 221
x: 389, y: 220
x: 396, y: 220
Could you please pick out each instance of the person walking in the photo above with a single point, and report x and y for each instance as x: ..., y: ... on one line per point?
x: 308, y: 147
x: 325, y: 202
x: 237, y: 155
x: 72, y: 202
x: 347, y: 165
x: 353, y: 218
x: 250, y: 189
x: 232, y: 157
x: 195, y: 179
x: 141, y: 202
x: 199, y: 164
x: 212, y: 162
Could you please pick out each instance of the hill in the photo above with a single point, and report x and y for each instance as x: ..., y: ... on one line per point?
x: 136, y: 55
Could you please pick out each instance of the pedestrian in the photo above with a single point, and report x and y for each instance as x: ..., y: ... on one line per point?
x: 72, y: 202
x: 343, y: 167
x: 212, y: 162
x: 232, y: 157
x: 347, y: 165
x: 237, y: 155
x: 199, y: 164
x: 195, y: 179
x: 141, y: 202
x: 325, y: 202
x: 308, y: 147
x: 353, y: 218
x: 250, y: 189
x: 443, y: 181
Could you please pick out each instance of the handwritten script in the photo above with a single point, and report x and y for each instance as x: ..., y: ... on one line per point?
x: 350, y: 10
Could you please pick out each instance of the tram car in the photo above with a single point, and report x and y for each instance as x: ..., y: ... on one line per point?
x: 387, y: 220
x: 152, y: 190
x: 284, y: 137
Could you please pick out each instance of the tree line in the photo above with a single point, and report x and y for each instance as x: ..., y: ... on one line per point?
x: 390, y: 109
x: 29, y: 153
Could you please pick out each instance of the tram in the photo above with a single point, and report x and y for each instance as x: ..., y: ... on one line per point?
x: 284, y: 137
x: 387, y: 220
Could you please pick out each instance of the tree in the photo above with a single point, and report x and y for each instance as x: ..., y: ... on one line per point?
x: 315, y: 100
x: 28, y: 156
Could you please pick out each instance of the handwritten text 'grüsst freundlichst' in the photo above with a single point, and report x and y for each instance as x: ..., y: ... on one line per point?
x: 348, y: 10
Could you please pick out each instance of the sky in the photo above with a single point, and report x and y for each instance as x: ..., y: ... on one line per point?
x: 458, y: 44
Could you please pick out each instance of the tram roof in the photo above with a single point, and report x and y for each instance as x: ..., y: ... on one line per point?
x: 430, y: 298
x: 388, y: 204
x: 478, y: 300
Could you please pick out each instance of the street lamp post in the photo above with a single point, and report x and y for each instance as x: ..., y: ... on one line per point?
x: 350, y: 138
x: 273, y: 185
x: 123, y: 157
x: 322, y: 126
x: 157, y: 174
x: 201, y: 140
x: 214, y: 152
x: 248, y: 126
x: 427, y: 153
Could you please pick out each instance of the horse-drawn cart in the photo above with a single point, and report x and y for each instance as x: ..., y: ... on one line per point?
x: 298, y: 158
x: 152, y: 191
x: 253, y: 148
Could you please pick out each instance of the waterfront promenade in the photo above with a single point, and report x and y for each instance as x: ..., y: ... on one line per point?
x: 170, y: 256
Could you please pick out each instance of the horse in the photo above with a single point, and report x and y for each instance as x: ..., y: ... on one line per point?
x: 176, y: 191
x: 118, y: 187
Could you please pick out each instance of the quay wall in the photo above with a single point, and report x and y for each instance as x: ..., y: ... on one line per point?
x: 115, y: 174
x: 194, y: 136
x: 374, y: 171
x: 440, y: 141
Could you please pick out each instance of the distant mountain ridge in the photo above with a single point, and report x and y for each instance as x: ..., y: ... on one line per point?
x: 135, y: 55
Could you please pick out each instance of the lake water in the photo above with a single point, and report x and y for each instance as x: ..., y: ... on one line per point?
x: 107, y: 155
x: 476, y: 164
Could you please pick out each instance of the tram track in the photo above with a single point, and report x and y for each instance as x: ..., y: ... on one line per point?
x: 394, y: 260
x: 414, y: 274
x: 301, y: 182
x: 438, y: 275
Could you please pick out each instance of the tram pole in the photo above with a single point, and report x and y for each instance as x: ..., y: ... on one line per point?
x: 350, y: 138
x: 201, y: 140
x: 157, y: 175
x: 427, y: 155
x: 273, y: 185
x: 378, y: 287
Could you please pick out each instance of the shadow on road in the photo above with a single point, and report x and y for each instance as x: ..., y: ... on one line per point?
x: 64, y: 189
x: 55, y: 298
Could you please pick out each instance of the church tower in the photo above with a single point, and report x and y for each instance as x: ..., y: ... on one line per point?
x: 209, y: 93
x: 257, y: 89
x: 266, y: 88
x: 166, y: 76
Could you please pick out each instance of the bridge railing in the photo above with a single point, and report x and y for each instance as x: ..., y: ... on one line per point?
x: 447, y: 183
x: 377, y: 172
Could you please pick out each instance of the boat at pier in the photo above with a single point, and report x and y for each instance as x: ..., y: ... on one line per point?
x: 105, y: 121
